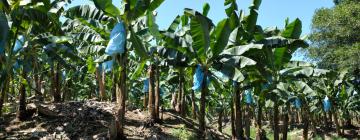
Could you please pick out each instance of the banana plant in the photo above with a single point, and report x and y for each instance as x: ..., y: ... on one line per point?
x: 207, y: 50
x: 129, y: 13
x: 27, y: 19
x: 338, y: 87
x: 295, y: 85
x: 177, y: 60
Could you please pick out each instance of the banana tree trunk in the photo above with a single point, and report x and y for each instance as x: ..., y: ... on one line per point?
x: 259, y: 134
x: 101, y: 81
x: 21, y: 114
x: 2, y: 97
x: 113, y: 89
x: 145, y: 101
x: 204, y: 92
x: 58, y: 86
x: 286, y: 121
x: 157, y: 94
x: 151, y: 105
x: 121, y: 97
x: 182, y: 105
x: 12, y: 87
x: 247, y: 121
x: 38, y: 87
x: 193, y: 104
x: 337, y: 125
x: 348, y: 120
x: 343, y: 126
x: 276, y: 121
x: 174, y: 101
x: 305, y: 120
x: 220, y: 120
x: 68, y: 90
x: 55, y: 82
x: 232, y: 121
x: 238, y: 113
x: 179, y: 96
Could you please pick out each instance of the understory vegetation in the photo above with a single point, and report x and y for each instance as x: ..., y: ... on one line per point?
x: 105, y: 72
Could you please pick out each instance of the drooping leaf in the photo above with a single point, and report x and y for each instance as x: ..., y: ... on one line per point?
x: 200, y: 31
x: 251, y: 19
x: 221, y: 35
x: 91, y: 65
x: 138, y: 46
x: 137, y: 73
x: 206, y: 9
x: 86, y: 12
x: 107, y: 6
x: 58, y: 5
x: 240, y: 50
x: 174, y: 25
x: 155, y: 4
x: 292, y: 30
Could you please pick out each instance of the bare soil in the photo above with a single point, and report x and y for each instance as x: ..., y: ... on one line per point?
x: 91, y: 120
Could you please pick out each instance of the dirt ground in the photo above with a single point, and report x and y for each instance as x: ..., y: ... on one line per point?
x: 90, y: 120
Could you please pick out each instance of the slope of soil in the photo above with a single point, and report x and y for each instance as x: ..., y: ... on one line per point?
x: 90, y: 120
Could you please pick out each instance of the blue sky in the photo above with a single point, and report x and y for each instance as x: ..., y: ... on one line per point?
x: 271, y: 13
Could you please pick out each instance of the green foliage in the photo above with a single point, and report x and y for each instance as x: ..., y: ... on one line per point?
x: 334, y: 31
x: 107, y: 6
x: 183, y: 133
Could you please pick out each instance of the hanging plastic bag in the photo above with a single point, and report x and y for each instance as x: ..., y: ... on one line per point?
x: 198, y: 78
x: 16, y: 65
x: 107, y: 65
x: 327, y: 104
x: 297, y: 103
x: 63, y: 76
x: 248, y: 97
x: 116, y: 44
x: 19, y: 43
x: 146, y: 85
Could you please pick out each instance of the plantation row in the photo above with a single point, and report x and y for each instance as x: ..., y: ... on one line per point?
x: 203, y: 70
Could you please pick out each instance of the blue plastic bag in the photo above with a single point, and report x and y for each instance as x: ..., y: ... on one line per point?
x: 248, y: 97
x: 116, y: 44
x: 107, y: 66
x: 146, y: 85
x: 19, y: 43
x: 327, y: 104
x: 198, y: 79
x: 297, y: 103
x: 63, y: 75
x: 16, y: 65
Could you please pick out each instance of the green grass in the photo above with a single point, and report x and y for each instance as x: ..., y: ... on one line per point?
x: 183, y: 133
x: 269, y: 133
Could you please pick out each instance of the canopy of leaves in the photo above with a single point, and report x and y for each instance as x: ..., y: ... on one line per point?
x: 335, y: 31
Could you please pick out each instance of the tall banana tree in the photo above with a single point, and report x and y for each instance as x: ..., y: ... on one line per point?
x: 124, y: 17
x: 207, y: 44
x: 171, y: 57
x: 295, y: 85
x: 27, y: 19
x: 338, y: 87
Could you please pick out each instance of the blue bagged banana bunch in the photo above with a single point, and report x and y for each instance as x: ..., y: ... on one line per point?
x: 198, y: 78
x: 63, y: 76
x: 297, y: 103
x: 19, y: 44
x: 116, y: 44
x: 146, y: 85
x: 16, y: 65
x: 326, y: 104
x: 248, y: 97
x: 107, y: 65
